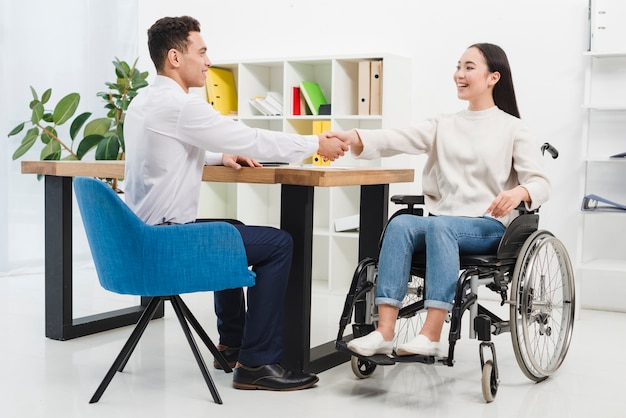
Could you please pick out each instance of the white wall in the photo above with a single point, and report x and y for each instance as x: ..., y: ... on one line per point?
x: 543, y: 38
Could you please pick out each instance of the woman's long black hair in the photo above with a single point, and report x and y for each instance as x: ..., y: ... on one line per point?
x: 503, y: 91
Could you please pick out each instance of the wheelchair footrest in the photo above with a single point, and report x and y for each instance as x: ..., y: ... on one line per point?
x: 417, y: 358
x: 378, y: 359
x: 383, y: 360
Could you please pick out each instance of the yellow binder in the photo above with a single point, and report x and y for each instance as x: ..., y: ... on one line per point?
x: 220, y: 90
x: 320, y: 126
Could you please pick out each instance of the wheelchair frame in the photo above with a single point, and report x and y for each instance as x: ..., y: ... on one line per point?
x: 529, y: 261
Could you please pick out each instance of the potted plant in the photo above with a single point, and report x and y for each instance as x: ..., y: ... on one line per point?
x: 105, y: 134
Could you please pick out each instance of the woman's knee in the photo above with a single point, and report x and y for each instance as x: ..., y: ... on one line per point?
x: 400, y: 225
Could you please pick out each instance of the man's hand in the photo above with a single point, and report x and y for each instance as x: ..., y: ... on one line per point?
x: 331, y: 148
x: 236, y: 161
x: 350, y: 138
x: 508, y: 200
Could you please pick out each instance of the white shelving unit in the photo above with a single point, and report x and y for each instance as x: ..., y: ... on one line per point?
x: 334, y: 253
x: 602, y: 252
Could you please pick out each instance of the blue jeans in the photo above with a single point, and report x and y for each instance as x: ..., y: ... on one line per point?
x: 443, y: 238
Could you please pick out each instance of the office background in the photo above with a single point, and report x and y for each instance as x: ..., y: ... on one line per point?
x: 69, y: 45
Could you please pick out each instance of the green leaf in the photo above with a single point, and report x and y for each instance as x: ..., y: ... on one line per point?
x: 52, y: 151
x: 139, y: 84
x: 108, y: 149
x: 48, y: 117
x: 27, y: 143
x: 17, y: 129
x: 121, y: 68
x: 98, y: 126
x: 78, y: 123
x: 46, y: 135
x: 38, y: 112
x: 46, y: 96
x: 34, y: 93
x: 86, y: 144
x: 65, y: 108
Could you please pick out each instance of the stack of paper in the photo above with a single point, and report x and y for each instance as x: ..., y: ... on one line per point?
x: 349, y: 223
x: 269, y: 105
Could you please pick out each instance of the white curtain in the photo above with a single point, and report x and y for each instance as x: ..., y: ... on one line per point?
x: 69, y: 46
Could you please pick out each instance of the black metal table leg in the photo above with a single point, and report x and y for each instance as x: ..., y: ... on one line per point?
x: 297, y: 219
x: 60, y: 324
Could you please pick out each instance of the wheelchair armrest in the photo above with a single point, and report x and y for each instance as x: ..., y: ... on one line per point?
x: 402, y: 199
x: 410, y: 201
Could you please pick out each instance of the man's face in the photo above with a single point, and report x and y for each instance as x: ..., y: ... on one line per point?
x: 194, y: 62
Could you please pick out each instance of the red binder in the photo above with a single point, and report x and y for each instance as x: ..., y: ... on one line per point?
x: 295, y: 101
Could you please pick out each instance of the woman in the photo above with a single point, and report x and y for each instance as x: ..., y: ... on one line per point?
x: 482, y: 163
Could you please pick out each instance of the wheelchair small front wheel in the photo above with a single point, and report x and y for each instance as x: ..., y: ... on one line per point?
x: 489, y: 381
x: 542, y: 312
x: 362, y: 368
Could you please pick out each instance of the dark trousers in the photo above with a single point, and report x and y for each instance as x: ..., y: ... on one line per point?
x: 258, y: 330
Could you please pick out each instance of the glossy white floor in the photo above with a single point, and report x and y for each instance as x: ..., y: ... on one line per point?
x: 46, y: 378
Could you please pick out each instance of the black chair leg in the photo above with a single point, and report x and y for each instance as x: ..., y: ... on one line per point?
x: 175, y: 300
x: 130, y: 352
x: 128, y: 348
x: 203, y: 335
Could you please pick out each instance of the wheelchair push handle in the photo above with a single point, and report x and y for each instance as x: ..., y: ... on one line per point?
x: 551, y: 150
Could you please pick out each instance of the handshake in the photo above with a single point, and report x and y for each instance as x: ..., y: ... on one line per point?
x: 333, y: 145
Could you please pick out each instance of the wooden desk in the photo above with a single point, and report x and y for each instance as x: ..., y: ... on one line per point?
x: 297, y: 192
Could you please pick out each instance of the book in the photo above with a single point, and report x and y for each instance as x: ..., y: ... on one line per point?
x: 275, y: 101
x: 593, y: 202
x: 363, y: 88
x: 376, y: 87
x: 313, y: 96
x: 295, y: 101
x: 270, y: 105
x: 220, y: 90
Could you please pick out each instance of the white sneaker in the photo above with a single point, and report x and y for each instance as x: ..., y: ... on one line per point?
x: 420, y: 345
x: 372, y: 343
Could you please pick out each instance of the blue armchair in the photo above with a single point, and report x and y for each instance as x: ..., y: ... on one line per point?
x: 160, y: 262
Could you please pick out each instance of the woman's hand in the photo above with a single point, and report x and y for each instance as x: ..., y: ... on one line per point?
x: 508, y: 200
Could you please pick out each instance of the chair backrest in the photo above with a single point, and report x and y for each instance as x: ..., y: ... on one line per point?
x: 134, y: 258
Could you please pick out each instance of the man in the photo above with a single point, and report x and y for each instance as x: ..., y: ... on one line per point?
x: 170, y: 134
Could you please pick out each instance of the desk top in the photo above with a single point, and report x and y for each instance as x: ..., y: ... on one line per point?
x: 294, y: 175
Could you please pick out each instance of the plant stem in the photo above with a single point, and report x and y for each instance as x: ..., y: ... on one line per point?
x: 58, y: 140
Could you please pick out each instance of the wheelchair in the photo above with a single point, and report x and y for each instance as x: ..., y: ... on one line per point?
x: 532, y: 274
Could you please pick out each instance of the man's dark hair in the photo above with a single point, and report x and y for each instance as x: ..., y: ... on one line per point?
x: 169, y: 33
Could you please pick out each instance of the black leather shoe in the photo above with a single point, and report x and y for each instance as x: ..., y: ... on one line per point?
x: 272, y: 377
x: 231, y: 354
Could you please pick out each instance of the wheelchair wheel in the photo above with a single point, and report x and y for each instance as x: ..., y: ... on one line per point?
x: 489, y: 381
x: 542, y: 308
x: 362, y: 368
